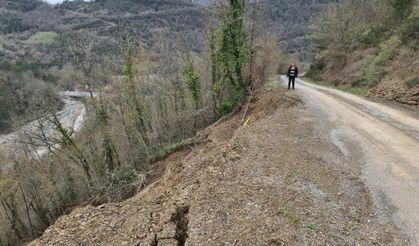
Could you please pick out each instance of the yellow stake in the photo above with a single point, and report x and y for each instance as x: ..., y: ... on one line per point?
x: 247, y: 121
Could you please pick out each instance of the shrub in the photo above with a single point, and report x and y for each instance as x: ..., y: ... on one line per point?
x: 375, y: 71
x: 414, y: 81
x: 372, y: 75
x: 414, y: 46
x: 165, y: 150
x: 388, y: 50
x: 410, y: 28
x: 228, y: 105
x: 192, y: 80
x: 368, y: 34
x: 402, y: 7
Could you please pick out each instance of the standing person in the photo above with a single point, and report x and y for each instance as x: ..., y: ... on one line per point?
x: 292, y: 75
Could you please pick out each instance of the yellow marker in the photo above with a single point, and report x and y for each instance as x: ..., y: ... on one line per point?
x: 247, y: 121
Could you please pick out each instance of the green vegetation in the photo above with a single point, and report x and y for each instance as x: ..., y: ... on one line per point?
x: 410, y: 27
x: 289, y: 215
x: 369, y: 34
x: 230, y: 55
x: 354, y: 90
x: 290, y: 21
x: 168, y: 149
x: 42, y: 38
x: 345, y: 37
x: 388, y: 51
x: 1, y: 43
x: 413, y: 81
x: 22, y: 96
x: 375, y: 70
x: 325, y: 215
x: 192, y: 80
x: 311, y: 226
x: 402, y: 7
x: 153, y: 55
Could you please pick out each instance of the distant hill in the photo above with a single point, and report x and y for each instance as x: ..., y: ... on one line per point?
x: 35, y: 38
x: 143, y: 19
x: 290, y: 21
x: 25, y: 15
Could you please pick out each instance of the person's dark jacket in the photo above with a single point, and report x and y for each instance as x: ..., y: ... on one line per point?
x: 292, y: 73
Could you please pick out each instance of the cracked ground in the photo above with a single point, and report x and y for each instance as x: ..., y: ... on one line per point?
x: 276, y: 181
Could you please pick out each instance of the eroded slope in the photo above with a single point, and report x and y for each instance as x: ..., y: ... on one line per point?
x: 276, y: 181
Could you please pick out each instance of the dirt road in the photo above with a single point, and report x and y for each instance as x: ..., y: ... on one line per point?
x: 384, y: 140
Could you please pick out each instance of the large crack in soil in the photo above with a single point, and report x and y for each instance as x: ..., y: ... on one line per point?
x: 181, y: 221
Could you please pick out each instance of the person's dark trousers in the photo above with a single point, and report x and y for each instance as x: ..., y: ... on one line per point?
x: 291, y: 81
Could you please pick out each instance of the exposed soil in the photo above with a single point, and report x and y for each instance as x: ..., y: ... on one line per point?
x: 275, y: 181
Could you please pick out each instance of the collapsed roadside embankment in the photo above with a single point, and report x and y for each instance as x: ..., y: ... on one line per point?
x: 274, y: 181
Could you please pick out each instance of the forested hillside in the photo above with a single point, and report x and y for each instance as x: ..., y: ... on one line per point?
x: 42, y: 41
x: 39, y: 43
x: 375, y: 49
x: 179, y: 102
x: 156, y: 72
x: 290, y: 21
x: 23, y: 79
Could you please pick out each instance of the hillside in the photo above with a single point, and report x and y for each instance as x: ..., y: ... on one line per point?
x: 378, y: 53
x: 164, y: 122
x: 42, y: 41
x: 149, y: 82
x: 266, y: 183
x: 39, y: 42
x: 140, y: 20
x: 290, y: 21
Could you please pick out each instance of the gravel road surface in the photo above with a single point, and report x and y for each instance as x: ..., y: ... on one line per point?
x: 383, y: 139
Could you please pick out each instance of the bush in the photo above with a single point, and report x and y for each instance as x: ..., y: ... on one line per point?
x: 410, y: 28
x: 414, y: 81
x: 414, y: 46
x: 368, y: 34
x: 372, y: 75
x: 402, y: 7
x: 192, y: 80
x: 317, y: 67
x: 168, y: 149
x: 228, y: 105
x: 388, y: 50
x: 375, y: 71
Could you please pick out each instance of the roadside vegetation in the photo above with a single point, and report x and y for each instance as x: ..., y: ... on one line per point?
x: 376, y: 51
